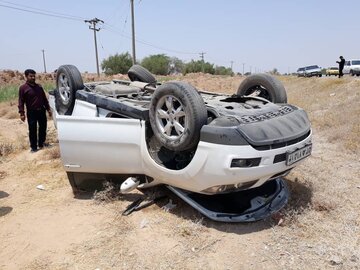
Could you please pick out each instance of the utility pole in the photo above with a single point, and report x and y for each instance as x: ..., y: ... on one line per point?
x: 231, y: 62
x: 92, y: 26
x: 243, y: 69
x: 203, y: 62
x: 43, y: 53
x: 250, y: 70
x: 133, y: 31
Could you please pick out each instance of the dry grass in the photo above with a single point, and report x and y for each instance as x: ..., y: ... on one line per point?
x: 6, y: 149
x: 3, y: 174
x: 332, y: 105
x: 52, y: 153
x: 109, y: 193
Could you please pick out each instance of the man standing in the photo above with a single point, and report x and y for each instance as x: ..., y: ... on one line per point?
x: 341, y: 66
x: 33, y: 96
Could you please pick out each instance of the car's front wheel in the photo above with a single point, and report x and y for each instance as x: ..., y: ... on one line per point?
x: 177, y: 113
x: 265, y: 86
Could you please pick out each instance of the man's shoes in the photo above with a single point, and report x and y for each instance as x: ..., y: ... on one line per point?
x: 33, y: 150
x: 46, y: 145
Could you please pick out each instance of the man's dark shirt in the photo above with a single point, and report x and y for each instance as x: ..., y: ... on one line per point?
x: 341, y: 63
x: 33, y: 96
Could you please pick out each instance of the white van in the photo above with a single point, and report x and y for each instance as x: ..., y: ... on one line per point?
x: 352, y: 67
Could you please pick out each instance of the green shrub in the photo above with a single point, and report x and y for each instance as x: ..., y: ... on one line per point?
x: 157, y: 64
x: 199, y: 66
x: 118, y: 63
x: 221, y: 70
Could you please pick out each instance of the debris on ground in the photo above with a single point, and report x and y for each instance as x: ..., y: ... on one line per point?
x: 141, y: 203
x: 144, y: 223
x: 335, y: 260
x: 169, y: 206
x: 40, y: 187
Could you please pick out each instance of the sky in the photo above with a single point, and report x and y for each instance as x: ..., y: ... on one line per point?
x: 255, y: 35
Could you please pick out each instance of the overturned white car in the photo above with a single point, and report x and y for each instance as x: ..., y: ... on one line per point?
x: 224, y: 155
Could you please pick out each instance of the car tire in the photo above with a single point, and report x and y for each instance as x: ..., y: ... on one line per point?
x: 320, y: 75
x: 140, y: 74
x: 270, y: 88
x: 68, y: 81
x: 177, y: 114
x: 351, y: 73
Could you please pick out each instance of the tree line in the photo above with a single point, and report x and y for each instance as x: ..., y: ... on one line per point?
x: 161, y: 64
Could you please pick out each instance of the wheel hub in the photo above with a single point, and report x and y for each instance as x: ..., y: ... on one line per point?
x: 64, y: 88
x: 170, y: 117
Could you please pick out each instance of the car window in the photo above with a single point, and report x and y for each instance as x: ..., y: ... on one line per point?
x: 334, y: 68
x: 356, y: 62
x: 312, y: 67
x: 347, y: 63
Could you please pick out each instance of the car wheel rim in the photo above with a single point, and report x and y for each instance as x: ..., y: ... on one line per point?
x: 258, y: 91
x: 171, y: 118
x: 64, y: 88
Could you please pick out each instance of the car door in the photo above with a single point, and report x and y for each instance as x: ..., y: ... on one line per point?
x: 346, y: 69
x: 100, y: 144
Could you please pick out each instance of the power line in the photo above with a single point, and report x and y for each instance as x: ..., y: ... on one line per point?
x: 114, y: 29
x: 118, y: 12
x: 51, y: 14
x: 44, y: 12
x: 126, y: 18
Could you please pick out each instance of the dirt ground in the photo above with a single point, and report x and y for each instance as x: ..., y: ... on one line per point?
x: 318, y: 229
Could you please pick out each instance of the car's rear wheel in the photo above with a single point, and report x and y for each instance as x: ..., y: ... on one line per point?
x: 177, y: 113
x: 68, y: 81
x: 352, y: 73
x: 141, y: 74
x: 265, y: 86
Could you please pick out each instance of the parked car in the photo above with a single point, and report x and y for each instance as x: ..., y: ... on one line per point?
x: 301, y: 72
x: 332, y: 71
x: 352, y: 67
x: 313, y: 70
x: 225, y: 155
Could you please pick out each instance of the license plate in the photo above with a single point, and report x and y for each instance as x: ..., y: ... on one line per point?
x: 298, y: 154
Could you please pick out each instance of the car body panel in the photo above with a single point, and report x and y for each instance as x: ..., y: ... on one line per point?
x: 332, y: 71
x: 313, y: 70
x: 352, y: 66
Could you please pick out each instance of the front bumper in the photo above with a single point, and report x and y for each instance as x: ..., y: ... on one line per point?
x: 311, y: 74
x: 211, y: 167
x: 242, y: 206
